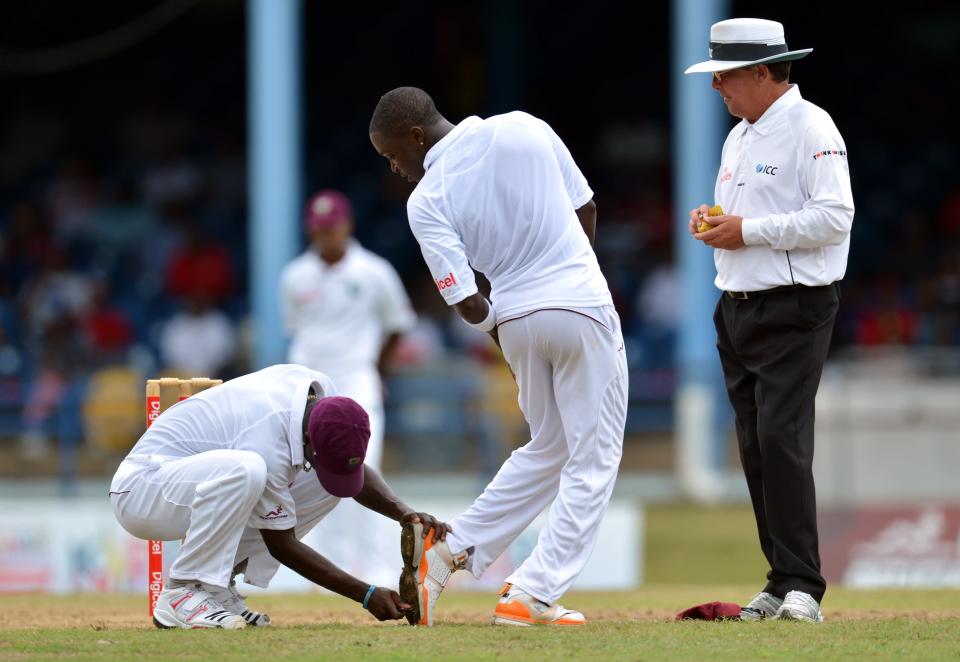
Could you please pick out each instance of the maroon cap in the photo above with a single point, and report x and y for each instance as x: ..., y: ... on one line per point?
x: 327, y: 209
x: 339, y: 430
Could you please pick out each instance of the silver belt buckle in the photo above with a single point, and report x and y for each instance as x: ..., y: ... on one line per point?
x: 738, y: 295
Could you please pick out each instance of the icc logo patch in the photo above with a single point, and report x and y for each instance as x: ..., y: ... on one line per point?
x: 767, y: 169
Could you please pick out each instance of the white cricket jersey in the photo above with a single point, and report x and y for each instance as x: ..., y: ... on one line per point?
x: 500, y: 195
x: 339, y: 314
x: 260, y: 412
x: 787, y: 176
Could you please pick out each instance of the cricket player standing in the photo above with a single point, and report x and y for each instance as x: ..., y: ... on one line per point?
x: 503, y: 196
x: 346, y: 309
x: 229, y: 471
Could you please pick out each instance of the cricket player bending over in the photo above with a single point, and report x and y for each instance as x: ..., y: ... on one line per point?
x: 229, y: 472
x: 504, y: 196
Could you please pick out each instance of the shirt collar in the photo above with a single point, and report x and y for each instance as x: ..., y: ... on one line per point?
x: 772, y: 116
x: 352, y: 245
x: 444, y: 143
x: 297, y: 404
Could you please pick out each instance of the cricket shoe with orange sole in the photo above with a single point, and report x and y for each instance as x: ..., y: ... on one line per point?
x: 427, y: 566
x: 517, y: 607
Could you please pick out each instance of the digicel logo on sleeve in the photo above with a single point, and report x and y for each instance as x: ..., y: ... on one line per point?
x: 444, y: 283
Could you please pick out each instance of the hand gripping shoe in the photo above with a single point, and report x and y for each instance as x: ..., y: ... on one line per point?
x: 519, y: 608
x: 762, y: 606
x: 427, y: 565
x: 192, y: 607
x: 799, y: 606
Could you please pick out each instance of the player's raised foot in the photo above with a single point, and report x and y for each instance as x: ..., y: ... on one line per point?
x: 192, y: 607
x: 427, y: 566
x: 517, y: 607
x: 799, y: 606
x: 761, y: 607
x: 236, y: 602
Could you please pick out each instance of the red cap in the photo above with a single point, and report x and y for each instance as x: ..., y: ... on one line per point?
x: 327, y: 209
x: 339, y: 430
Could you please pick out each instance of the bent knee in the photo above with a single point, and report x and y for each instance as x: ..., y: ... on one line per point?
x: 254, y: 470
x: 240, y: 471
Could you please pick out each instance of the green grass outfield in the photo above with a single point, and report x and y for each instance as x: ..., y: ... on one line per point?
x: 693, y: 555
x: 908, y: 625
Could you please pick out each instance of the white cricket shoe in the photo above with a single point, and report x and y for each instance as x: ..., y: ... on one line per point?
x: 799, y: 606
x: 428, y: 564
x: 234, y: 601
x: 517, y: 607
x: 192, y: 607
x: 761, y: 607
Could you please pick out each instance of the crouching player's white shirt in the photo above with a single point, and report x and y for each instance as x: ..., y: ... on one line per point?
x: 219, y: 462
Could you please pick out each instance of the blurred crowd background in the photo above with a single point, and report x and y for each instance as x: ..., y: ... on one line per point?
x: 123, y: 193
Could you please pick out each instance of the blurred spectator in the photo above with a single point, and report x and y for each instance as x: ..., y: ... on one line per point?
x: 888, y: 319
x: 107, y: 329
x: 199, y: 341
x: 201, y: 267
x: 119, y: 225
x: 24, y: 244
x: 658, y: 312
x: 55, y: 297
x: 72, y: 198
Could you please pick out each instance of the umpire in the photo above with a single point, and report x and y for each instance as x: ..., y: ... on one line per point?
x: 780, y: 254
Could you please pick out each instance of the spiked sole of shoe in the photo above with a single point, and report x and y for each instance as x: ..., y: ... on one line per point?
x: 410, y: 593
x: 410, y: 542
x: 410, y: 550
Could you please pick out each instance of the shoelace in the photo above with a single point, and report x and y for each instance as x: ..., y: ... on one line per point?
x: 208, y: 604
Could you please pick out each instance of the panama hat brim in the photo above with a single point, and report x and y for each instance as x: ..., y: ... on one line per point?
x: 711, y: 66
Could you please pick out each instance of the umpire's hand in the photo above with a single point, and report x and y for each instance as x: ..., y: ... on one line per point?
x: 386, y: 605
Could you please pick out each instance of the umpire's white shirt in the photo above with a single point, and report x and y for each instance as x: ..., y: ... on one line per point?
x: 339, y: 314
x: 260, y: 412
x: 787, y: 176
x: 500, y: 195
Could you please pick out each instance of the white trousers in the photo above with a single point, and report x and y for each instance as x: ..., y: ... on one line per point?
x: 571, y: 371
x: 206, y: 500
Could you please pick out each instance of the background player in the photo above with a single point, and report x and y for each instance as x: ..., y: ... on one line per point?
x: 346, y: 309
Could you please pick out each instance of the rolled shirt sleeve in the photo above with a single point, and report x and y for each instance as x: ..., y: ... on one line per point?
x: 442, y: 249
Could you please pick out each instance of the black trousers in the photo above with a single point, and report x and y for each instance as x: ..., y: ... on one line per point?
x: 772, y: 349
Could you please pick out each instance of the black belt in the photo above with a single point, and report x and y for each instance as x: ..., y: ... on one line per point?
x: 772, y: 290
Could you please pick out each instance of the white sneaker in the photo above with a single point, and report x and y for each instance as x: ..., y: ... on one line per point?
x: 192, y: 607
x: 517, y: 607
x: 799, y: 606
x: 234, y: 601
x: 762, y: 606
x: 427, y: 567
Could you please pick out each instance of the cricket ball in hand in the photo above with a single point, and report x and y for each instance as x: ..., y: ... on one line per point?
x: 716, y: 210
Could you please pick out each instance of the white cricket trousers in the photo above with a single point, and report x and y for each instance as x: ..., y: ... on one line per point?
x: 207, y: 500
x: 571, y: 372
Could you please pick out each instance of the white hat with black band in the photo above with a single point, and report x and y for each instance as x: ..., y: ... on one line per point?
x: 742, y: 42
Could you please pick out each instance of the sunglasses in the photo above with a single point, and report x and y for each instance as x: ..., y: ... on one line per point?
x: 720, y: 75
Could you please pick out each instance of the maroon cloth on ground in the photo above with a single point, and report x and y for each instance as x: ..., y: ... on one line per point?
x: 710, y: 611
